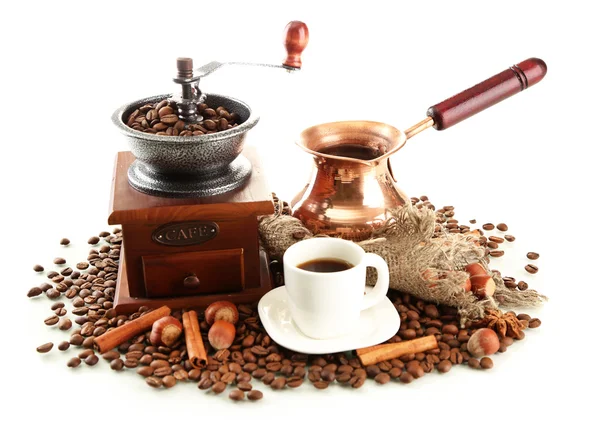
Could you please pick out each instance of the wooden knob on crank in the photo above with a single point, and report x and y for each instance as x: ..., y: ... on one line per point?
x: 191, y: 282
x: 296, y: 39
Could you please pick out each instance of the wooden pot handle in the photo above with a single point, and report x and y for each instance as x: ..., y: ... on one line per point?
x: 487, y: 93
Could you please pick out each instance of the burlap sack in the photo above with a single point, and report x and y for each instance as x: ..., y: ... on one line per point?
x: 431, y: 268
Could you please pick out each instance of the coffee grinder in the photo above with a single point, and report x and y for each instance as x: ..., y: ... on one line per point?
x: 188, y: 201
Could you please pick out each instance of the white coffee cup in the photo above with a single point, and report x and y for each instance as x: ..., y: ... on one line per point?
x: 328, y: 305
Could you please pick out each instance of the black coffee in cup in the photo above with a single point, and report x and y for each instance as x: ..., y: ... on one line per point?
x: 325, y: 265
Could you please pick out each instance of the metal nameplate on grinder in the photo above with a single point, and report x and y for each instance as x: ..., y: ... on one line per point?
x: 185, y: 233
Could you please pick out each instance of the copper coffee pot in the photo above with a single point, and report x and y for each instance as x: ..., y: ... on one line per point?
x: 352, y: 186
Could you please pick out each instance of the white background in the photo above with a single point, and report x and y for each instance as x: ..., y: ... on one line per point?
x: 528, y: 162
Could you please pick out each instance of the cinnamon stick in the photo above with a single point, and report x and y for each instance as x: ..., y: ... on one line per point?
x: 375, y: 354
x: 193, y: 340
x: 119, y: 335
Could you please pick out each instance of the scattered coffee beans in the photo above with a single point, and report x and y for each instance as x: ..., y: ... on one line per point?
x: 254, y: 356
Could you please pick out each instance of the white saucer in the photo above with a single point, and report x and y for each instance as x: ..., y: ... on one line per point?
x: 376, y: 325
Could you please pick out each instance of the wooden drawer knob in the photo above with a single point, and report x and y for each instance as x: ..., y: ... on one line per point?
x: 191, y: 282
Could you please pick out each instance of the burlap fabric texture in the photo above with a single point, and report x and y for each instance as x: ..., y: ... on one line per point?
x: 428, y: 267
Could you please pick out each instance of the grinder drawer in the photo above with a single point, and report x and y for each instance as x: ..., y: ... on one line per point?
x: 194, y: 273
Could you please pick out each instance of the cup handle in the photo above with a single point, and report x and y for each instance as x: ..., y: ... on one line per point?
x: 383, y: 280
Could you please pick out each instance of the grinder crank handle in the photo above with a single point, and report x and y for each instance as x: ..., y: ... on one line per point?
x: 295, y: 41
x: 487, y: 93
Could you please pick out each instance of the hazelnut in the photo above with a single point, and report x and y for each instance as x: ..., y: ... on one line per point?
x: 221, y: 334
x: 221, y: 310
x: 475, y: 269
x: 483, y: 342
x: 483, y: 286
x: 165, y: 331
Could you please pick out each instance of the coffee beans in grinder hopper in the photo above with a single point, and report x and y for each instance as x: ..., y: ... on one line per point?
x: 161, y: 119
x: 253, y: 362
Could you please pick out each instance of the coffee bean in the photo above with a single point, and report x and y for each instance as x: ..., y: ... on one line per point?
x: 450, y: 329
x: 82, y: 265
x: 492, y: 245
x: 509, y: 238
x: 63, y: 345
x: 88, y: 342
x: 74, y: 362
x: 321, y: 385
x: 219, y: 387
x: 416, y: 370
x: 259, y: 373
x: 268, y: 378
x: 65, y: 324
x: 92, y: 360
x: 486, y: 363
x: 76, y: 340
x: 533, y: 255
x: 38, y: 268
x: 194, y: 374
x: 236, y: 395
x: 59, y: 261
x: 228, y: 377
x: 205, y: 383
x: 46, y: 347
x: 153, y: 381
x: 502, y: 227
x: 209, y: 124
x: 474, y: 363
x: 278, y: 383
x: 93, y: 240
x: 488, y: 226
x: 65, y: 242
x: 57, y: 305
x: 181, y: 375
x: 534, y: 323
x: 255, y: 395
x: 169, y: 381
x: 52, y: 320
x: 406, y: 378
x: 382, y: 378
x: 498, y: 240
x: 522, y: 285
x: 35, y: 291
x: 110, y: 355
x: 496, y: 253
x: 117, y: 364
x: 531, y: 268
x: 444, y: 366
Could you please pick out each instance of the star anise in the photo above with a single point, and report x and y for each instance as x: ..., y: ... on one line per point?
x: 505, y: 324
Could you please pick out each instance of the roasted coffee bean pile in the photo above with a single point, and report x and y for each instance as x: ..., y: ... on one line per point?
x: 254, y: 360
x: 161, y: 119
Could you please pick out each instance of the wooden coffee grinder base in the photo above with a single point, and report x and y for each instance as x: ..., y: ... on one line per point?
x: 189, y: 252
